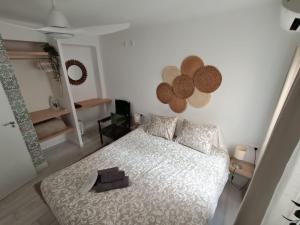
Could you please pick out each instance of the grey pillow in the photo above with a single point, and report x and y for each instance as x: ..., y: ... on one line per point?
x: 197, y: 136
x: 162, y: 126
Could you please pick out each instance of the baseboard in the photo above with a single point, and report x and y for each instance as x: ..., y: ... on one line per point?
x: 90, y: 125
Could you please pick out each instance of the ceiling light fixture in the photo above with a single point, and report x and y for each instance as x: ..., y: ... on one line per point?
x: 58, y: 26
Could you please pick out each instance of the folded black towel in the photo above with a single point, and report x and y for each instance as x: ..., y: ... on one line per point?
x: 109, y: 170
x: 106, y: 172
x: 111, y: 177
x: 101, y: 187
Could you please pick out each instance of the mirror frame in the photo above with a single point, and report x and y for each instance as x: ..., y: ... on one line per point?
x: 75, y: 62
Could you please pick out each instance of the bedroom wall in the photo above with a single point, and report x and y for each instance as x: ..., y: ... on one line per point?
x: 248, y: 47
x: 34, y: 83
x: 85, y: 50
x: 85, y: 54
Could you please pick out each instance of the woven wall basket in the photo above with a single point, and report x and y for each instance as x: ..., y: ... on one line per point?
x: 178, y: 105
x: 199, y: 99
x: 169, y: 74
x: 207, y: 79
x: 190, y: 65
x: 192, y: 84
x: 164, y: 93
x: 183, y: 86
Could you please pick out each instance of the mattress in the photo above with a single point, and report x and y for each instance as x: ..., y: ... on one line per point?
x: 169, y: 184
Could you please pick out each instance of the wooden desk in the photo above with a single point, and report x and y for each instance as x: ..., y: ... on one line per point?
x: 89, y: 103
x: 46, y: 114
x: 244, y: 169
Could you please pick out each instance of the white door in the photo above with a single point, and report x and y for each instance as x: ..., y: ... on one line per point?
x: 16, y: 167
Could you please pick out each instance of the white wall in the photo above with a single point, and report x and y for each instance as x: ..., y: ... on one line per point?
x: 248, y: 47
x: 86, y: 50
x: 86, y: 55
x: 34, y: 83
x: 287, y: 189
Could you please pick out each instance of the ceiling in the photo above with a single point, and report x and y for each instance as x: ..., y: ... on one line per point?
x: 138, y: 12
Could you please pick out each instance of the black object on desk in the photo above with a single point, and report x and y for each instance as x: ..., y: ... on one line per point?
x: 77, y: 105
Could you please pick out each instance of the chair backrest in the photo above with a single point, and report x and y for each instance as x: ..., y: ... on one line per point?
x: 122, y: 107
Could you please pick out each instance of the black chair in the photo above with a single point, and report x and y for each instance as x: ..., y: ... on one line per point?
x: 119, y: 129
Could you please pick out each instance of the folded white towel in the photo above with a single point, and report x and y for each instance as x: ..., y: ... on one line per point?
x: 89, y: 182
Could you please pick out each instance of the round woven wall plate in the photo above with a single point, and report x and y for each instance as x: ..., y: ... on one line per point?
x: 190, y: 65
x: 183, y: 86
x: 207, y: 79
x: 164, y: 93
x: 178, y: 105
x: 169, y: 73
x: 199, y: 99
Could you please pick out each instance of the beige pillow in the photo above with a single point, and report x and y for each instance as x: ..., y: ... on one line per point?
x: 162, y: 126
x: 197, y: 136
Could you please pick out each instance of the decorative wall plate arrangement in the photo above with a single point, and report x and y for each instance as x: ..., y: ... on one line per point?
x: 170, y: 73
x: 192, y: 84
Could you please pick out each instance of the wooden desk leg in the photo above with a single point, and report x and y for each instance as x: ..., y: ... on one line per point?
x: 100, y: 132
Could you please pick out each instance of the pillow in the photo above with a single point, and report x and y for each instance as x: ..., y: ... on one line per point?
x: 117, y: 119
x: 196, y: 136
x: 162, y: 126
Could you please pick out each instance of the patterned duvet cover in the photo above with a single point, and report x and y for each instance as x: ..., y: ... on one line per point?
x: 170, y: 184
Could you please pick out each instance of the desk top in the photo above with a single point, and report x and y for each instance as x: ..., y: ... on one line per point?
x: 46, y: 114
x: 89, y: 103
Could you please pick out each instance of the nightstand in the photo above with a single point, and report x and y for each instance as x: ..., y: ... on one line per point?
x: 242, y: 168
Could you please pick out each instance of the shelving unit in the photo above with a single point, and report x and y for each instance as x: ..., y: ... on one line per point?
x: 67, y: 130
x: 27, y: 55
x: 30, y: 51
x: 46, y: 114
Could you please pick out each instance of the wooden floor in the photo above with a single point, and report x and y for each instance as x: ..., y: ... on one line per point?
x: 25, y: 207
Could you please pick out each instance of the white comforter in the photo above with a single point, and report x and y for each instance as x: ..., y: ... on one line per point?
x: 169, y: 184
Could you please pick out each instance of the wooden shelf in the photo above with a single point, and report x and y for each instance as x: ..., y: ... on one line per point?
x: 89, y: 103
x: 27, y: 55
x: 246, y: 169
x: 46, y: 114
x: 67, y: 130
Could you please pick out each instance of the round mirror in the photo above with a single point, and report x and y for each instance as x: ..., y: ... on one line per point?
x: 76, y: 72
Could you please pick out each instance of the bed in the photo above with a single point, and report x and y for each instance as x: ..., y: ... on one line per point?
x: 169, y: 184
